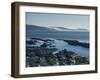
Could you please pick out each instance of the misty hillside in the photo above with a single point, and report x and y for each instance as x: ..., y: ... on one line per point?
x: 68, y: 29
x: 39, y: 28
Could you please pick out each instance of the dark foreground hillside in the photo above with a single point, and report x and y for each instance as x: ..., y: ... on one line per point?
x: 46, y: 54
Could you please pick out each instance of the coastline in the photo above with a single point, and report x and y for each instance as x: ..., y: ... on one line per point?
x: 49, y: 48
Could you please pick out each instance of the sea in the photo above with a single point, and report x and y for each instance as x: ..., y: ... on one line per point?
x: 64, y: 35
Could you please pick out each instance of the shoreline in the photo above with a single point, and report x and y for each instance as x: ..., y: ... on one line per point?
x: 45, y: 52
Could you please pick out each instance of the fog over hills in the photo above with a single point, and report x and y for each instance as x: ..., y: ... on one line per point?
x: 39, y: 28
x: 68, y: 29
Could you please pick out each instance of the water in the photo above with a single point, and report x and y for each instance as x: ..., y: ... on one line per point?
x: 61, y: 45
x: 62, y: 35
x: 80, y: 36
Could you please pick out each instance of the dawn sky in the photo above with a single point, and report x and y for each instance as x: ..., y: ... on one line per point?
x: 58, y: 20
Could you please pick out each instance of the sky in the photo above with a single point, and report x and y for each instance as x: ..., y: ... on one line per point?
x: 73, y: 21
